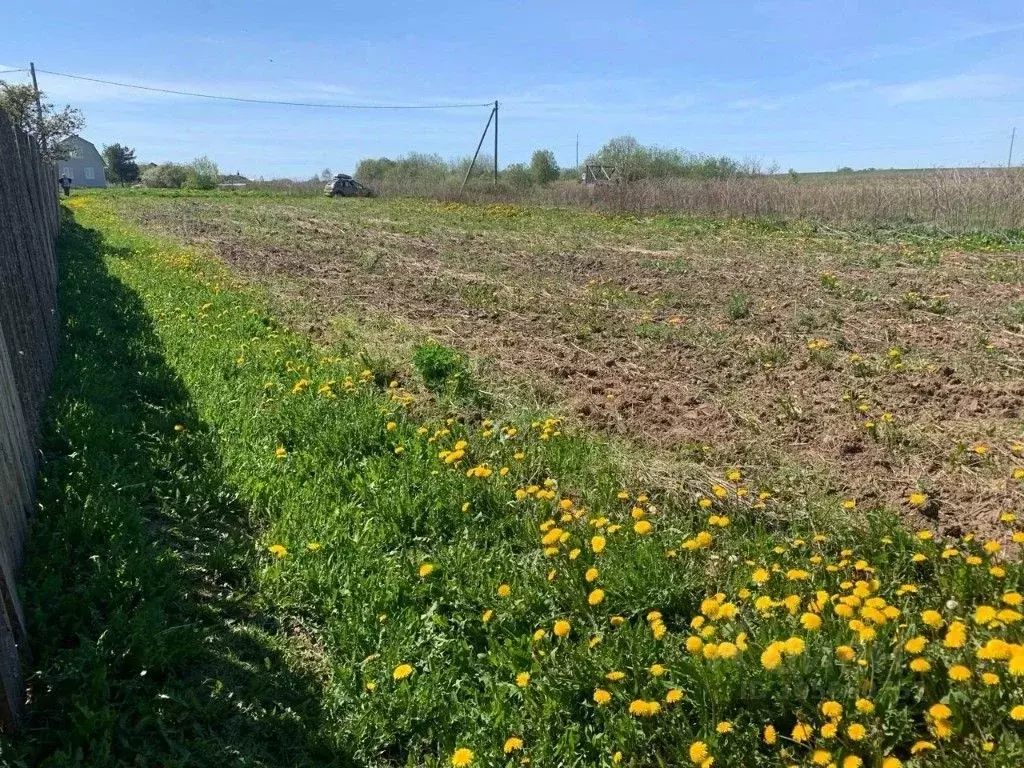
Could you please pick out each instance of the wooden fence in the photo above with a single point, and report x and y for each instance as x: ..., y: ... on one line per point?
x: 29, y: 219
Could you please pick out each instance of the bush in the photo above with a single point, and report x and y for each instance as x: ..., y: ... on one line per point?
x: 543, y: 168
x: 165, y: 176
x: 443, y: 369
x: 202, y: 173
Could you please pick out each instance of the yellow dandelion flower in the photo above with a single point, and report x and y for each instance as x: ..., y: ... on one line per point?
x: 597, y: 544
x: 932, y: 618
x: 562, y: 628
x: 821, y: 757
x: 402, y: 671
x: 512, y: 744
x: 698, y: 752
x: 918, y: 499
x: 920, y: 664
x: 673, y: 695
x: 802, y: 732
x: 504, y: 590
x: 915, y: 645
x: 794, y: 646
x: 596, y: 597
x: 770, y: 735
x: 462, y: 757
x: 852, y: 761
x: 426, y: 569
x: 958, y: 673
x: 832, y: 709
x: 856, y: 731
x: 771, y: 658
x: 845, y: 653
x: 642, y: 527
x: 615, y: 675
x: 1017, y: 713
x: 278, y: 550
x: 810, y: 621
x: 724, y: 727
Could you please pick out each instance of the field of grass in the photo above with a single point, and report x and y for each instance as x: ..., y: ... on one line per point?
x: 321, y: 542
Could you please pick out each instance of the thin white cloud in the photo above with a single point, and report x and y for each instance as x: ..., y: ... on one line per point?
x: 965, y: 86
x: 847, y: 85
x: 756, y: 103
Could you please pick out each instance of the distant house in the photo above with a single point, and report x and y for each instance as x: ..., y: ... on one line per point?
x: 233, y: 181
x: 82, y: 163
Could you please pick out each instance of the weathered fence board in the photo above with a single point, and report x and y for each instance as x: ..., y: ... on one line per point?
x: 29, y: 218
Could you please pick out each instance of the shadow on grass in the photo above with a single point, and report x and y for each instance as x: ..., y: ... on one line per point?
x: 148, y: 643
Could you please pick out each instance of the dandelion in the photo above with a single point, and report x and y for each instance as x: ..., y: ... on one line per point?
x: 810, y: 621
x: 921, y: 746
x: 278, y: 550
x: 615, y: 675
x: 487, y: 616
x: 802, y: 732
x: 562, y: 628
x: 845, y: 653
x: 601, y: 697
x: 794, y: 646
x: 918, y: 499
x: 641, y: 708
x: 698, y: 752
x: 892, y: 762
x: 512, y: 744
x: 832, y: 710
x: 657, y: 670
x: 597, y: 544
x: 920, y: 664
x: 504, y: 590
x: 391, y: 426
x: 770, y: 735
x: 642, y: 527
x: 821, y: 757
x: 281, y: 452
x: 462, y: 757
x: 852, y: 761
x: 771, y: 658
x: 674, y: 695
x: 959, y: 673
x: 426, y: 569
x: 402, y: 671
x: 915, y: 644
x: 595, y: 598
x: 313, y: 546
x: 856, y: 731
x: 1017, y: 713
x: 864, y: 706
x: 523, y: 679
x: 724, y: 727
x: 932, y: 618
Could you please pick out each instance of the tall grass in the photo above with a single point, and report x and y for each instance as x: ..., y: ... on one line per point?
x: 954, y: 201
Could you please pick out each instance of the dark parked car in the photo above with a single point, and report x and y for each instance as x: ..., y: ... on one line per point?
x: 344, y: 185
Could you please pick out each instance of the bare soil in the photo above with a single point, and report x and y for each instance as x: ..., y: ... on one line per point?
x: 884, y: 365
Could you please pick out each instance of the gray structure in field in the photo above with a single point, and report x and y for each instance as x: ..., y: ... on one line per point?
x: 82, y: 163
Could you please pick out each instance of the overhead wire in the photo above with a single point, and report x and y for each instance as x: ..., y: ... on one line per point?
x: 247, y: 100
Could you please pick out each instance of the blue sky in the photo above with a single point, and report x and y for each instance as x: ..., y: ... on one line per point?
x: 808, y: 85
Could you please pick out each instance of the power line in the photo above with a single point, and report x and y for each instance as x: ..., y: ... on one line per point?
x: 9, y: 71
x: 245, y: 100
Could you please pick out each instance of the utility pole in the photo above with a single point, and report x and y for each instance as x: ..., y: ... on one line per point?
x: 39, y: 107
x: 577, y: 154
x: 472, y: 164
x: 1013, y: 135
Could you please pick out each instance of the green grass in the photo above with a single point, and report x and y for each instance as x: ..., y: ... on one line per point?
x: 240, y: 590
